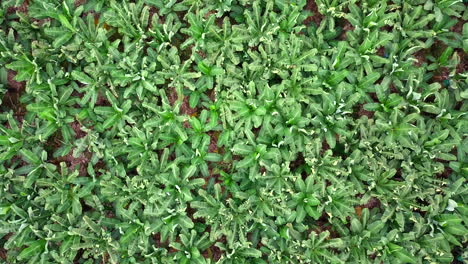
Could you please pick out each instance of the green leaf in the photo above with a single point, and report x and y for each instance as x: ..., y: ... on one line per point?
x: 213, y: 157
x: 312, y: 201
x: 337, y: 77
x: 205, y: 69
x: 356, y: 226
x: 301, y: 213
x: 445, y: 55
x: 61, y: 40
x: 393, y: 100
x: 34, y: 249
x: 251, y: 253
x: 313, y: 212
x: 372, y: 106
x: 4, y: 209
x: 376, y: 226
x: 82, y: 77
x: 111, y: 121
x: 369, y: 80
x: 246, y: 162
x: 93, y: 226
x: 18, y: 211
x: 331, y: 139
x: 129, y: 234
x: 32, y: 177
x: 64, y: 20
x: 185, y: 221
x: 30, y: 157
x: 76, y: 206
x: 456, y: 230
x: 401, y: 254
x: 242, y: 149
x: 150, y: 87
x: 182, y: 134
x: 190, y: 171
x: 194, y: 99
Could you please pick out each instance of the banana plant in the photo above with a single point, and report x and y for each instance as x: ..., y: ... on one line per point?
x: 114, y: 115
x: 199, y: 29
x: 364, y: 234
x: 386, y: 101
x: 332, y: 115
x: 261, y: 27
x: 175, y: 70
x: 320, y: 248
x: 306, y: 199
x: 190, y: 247
x: 12, y: 138
x: 254, y: 153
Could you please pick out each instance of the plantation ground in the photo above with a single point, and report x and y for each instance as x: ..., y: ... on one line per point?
x: 233, y: 131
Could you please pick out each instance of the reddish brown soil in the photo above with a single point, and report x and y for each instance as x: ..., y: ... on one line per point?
x: 23, y: 8
x: 80, y: 2
x: 441, y: 75
x: 346, y: 27
x: 185, y: 108
x: 297, y: 162
x: 98, y: 166
x: 7, y: 236
x: 458, y: 27
x: 213, y: 252
x: 3, y: 254
x: 73, y: 162
x: 316, y: 17
x: 420, y: 57
x: 11, y: 99
x: 158, y: 242
x: 209, y: 13
x: 54, y: 141
x: 381, y: 51
x: 102, y: 101
x: 105, y: 258
x: 363, y: 112
x: 325, y: 147
x: 462, y: 67
x: 213, y: 147
x: 152, y: 11
x: 398, y: 176
x: 323, y: 224
x: 172, y: 95
x: 211, y: 94
x: 358, y: 210
x: 393, y: 89
x: 219, y: 21
x: 13, y: 84
x: 323, y: 227
x: 40, y: 22
x: 387, y: 28
x: 76, y: 126
x: 374, y: 97
x: 445, y: 174
x: 109, y: 214
x: 79, y: 256
x: 441, y: 161
x: 201, y: 53
x: 372, y: 203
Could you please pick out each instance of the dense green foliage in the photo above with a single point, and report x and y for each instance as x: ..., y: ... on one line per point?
x: 233, y: 131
